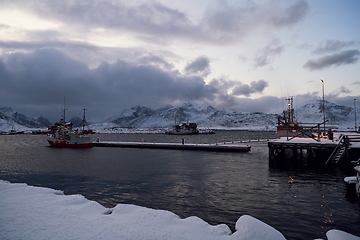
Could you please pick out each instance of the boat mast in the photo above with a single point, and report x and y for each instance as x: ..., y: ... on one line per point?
x: 83, y: 122
x: 64, y: 111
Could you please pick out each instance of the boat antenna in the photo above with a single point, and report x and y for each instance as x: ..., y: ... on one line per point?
x: 290, y: 110
x: 64, y: 110
x: 282, y: 99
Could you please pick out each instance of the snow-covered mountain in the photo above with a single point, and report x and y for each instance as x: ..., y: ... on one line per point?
x: 312, y: 111
x: 143, y: 117
x: 9, y: 119
x: 209, y: 117
x: 205, y: 117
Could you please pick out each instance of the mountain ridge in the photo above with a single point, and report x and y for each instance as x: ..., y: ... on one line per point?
x: 139, y: 117
x: 10, y: 119
x: 209, y: 117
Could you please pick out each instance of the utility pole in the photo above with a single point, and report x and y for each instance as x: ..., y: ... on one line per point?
x: 355, y: 113
x: 323, y: 103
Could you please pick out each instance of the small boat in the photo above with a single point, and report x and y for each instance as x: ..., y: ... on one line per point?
x: 183, y: 129
x: 63, y: 135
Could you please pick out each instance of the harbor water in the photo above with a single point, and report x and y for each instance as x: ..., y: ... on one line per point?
x: 218, y: 187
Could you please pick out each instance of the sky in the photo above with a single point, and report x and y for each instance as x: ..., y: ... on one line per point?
x: 242, y: 55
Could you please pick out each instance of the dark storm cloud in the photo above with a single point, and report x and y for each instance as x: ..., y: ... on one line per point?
x: 247, y: 90
x: 151, y: 59
x: 200, y: 66
x: 307, y: 96
x: 36, y: 84
x: 42, y: 79
x: 230, y: 21
x: 328, y: 46
x: 220, y: 24
x: 139, y: 84
x: 336, y: 59
x: 337, y: 92
x: 267, y: 54
x: 29, y: 45
x: 149, y: 17
x: 48, y: 66
x: 238, y: 88
x: 266, y: 104
x: 224, y: 18
x: 91, y: 54
x: 222, y: 84
x: 292, y: 14
x: 46, y: 76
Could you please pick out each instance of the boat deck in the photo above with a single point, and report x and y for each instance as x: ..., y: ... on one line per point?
x: 177, y: 146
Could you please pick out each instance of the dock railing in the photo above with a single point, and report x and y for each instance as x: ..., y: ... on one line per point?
x: 309, y: 131
x: 339, y: 150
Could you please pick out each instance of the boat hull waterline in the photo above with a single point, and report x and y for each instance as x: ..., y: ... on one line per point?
x: 64, y: 144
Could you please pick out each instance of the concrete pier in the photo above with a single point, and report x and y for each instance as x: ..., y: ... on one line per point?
x: 177, y: 146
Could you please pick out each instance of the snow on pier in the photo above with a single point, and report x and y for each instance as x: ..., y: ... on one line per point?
x: 177, y: 146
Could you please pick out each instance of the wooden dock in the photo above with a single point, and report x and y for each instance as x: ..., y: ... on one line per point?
x: 344, y: 148
x: 177, y: 146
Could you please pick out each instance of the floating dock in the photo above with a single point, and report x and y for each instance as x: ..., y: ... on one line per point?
x: 177, y: 146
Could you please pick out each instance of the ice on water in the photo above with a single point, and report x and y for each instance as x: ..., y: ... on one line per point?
x: 28, y: 212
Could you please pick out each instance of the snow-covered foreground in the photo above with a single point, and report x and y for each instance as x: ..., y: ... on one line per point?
x: 28, y: 212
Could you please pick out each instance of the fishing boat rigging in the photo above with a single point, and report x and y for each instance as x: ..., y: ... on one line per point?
x: 63, y: 135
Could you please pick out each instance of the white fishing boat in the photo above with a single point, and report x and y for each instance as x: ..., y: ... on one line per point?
x: 183, y: 129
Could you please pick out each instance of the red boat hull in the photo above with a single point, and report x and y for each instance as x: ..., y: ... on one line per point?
x: 63, y: 144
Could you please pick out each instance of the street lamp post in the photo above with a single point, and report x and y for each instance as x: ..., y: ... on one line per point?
x: 355, y: 112
x: 323, y: 103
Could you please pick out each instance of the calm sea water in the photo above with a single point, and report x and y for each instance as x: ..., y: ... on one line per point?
x: 217, y: 187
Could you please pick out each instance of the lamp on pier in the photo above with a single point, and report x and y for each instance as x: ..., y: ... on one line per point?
x: 355, y: 113
x: 323, y: 101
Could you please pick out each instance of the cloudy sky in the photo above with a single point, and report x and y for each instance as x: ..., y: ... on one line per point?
x: 109, y: 55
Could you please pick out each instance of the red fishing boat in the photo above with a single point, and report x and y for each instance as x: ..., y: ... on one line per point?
x: 63, y: 135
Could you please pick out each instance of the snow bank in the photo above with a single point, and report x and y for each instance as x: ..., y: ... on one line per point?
x: 29, y: 212
x: 337, y: 235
